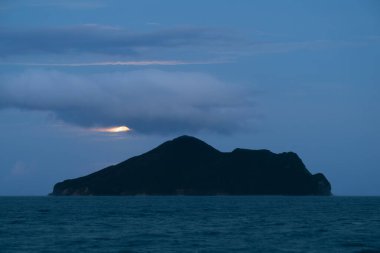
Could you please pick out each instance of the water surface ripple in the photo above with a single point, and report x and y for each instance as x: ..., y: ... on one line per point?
x: 190, y: 224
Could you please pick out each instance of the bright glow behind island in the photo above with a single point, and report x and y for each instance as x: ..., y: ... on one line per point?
x: 116, y: 129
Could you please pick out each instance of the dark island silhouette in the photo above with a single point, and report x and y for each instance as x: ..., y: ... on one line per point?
x: 189, y: 166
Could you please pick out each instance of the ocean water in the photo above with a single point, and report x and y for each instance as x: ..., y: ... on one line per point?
x: 190, y: 224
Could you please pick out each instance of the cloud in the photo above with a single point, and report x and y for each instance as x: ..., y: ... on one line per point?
x: 119, y: 63
x: 147, y: 101
x: 69, y: 4
x: 290, y: 46
x: 18, y: 169
x: 101, y: 45
x: 107, y: 40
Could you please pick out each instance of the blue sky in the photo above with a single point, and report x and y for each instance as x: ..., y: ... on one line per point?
x: 298, y: 76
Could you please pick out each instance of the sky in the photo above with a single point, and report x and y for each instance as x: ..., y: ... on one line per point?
x: 301, y: 76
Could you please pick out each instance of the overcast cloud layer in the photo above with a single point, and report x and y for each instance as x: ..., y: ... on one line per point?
x: 94, y: 44
x: 148, y: 101
x: 109, y: 40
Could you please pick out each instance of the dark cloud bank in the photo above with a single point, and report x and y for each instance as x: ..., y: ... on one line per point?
x: 97, y: 39
x: 148, y: 101
x: 93, y: 42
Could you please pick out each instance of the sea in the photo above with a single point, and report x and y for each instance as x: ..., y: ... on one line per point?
x: 190, y: 224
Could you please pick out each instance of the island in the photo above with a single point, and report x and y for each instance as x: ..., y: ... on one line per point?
x: 189, y: 166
